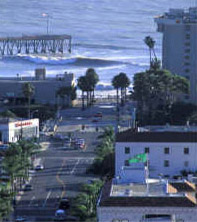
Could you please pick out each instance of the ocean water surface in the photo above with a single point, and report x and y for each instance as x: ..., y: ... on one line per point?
x: 106, y: 34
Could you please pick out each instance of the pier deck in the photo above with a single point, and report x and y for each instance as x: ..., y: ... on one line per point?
x: 38, y: 44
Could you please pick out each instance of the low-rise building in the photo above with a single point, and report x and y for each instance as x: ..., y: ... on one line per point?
x: 11, y: 130
x: 159, y: 200
x: 45, y: 87
x: 168, y: 152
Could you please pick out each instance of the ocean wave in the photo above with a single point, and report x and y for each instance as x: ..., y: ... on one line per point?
x: 59, y: 60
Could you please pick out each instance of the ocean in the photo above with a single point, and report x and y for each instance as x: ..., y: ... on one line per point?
x: 106, y: 34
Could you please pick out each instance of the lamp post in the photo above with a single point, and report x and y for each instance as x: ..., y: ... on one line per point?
x: 32, y: 113
x: 47, y: 17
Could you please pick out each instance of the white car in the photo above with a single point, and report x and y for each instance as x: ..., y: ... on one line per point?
x: 39, y: 167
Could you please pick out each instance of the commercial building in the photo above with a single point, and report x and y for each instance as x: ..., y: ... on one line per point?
x: 160, y: 201
x: 45, y: 87
x: 179, y: 28
x: 168, y: 152
x: 11, y: 130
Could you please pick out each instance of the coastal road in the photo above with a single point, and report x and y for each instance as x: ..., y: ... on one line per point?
x: 63, y: 175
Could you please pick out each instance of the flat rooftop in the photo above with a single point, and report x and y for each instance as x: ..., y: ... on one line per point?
x: 180, y: 15
x: 137, y: 190
x: 136, y: 195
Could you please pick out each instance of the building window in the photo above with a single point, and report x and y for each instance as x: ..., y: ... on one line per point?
x: 186, y: 164
x: 166, y: 163
x: 166, y: 150
x: 116, y: 220
x: 186, y: 150
x: 187, y: 44
x: 187, y: 70
x: 146, y: 150
x: 187, y: 64
x: 127, y: 150
x: 126, y: 163
x: 187, y: 57
x: 187, y: 36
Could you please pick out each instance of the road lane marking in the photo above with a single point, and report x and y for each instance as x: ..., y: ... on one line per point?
x: 61, y: 181
x: 48, y: 195
x: 32, y: 199
x: 72, y: 171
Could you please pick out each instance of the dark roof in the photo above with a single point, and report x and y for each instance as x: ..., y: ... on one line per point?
x: 182, y: 187
x: 130, y: 136
x: 142, y: 201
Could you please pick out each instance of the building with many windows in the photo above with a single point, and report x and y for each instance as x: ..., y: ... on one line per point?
x: 168, y: 152
x: 179, y: 28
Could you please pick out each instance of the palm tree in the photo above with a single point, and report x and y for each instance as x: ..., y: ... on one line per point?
x: 82, y: 84
x: 92, y: 79
x: 151, y: 44
x: 116, y: 85
x: 28, y: 91
x: 67, y: 91
x: 124, y: 83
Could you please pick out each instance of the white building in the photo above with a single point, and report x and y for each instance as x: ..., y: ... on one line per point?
x: 168, y: 152
x: 179, y: 28
x: 11, y: 130
x: 166, y: 202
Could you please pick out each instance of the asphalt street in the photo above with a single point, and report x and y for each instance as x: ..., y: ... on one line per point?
x: 64, y: 173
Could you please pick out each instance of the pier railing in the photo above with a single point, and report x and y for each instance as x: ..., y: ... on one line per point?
x: 40, y: 44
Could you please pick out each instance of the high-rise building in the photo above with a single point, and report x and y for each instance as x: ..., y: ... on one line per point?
x: 179, y: 28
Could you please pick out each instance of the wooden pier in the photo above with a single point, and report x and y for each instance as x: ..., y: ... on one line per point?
x: 39, y: 44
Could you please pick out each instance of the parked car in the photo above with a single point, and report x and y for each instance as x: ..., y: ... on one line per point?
x: 99, y: 114
x: 20, y: 219
x: 28, y: 187
x: 64, y: 204
x: 39, y: 167
x: 60, y: 215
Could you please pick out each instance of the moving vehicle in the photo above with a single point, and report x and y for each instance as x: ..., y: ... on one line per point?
x: 60, y: 215
x: 20, y: 219
x: 39, y: 167
x: 64, y: 204
x: 28, y: 187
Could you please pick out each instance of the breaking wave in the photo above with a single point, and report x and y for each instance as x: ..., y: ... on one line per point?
x: 59, y: 60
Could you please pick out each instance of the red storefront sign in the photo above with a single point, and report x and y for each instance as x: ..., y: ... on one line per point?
x: 23, y: 124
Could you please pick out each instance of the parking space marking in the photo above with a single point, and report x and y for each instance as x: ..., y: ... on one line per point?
x: 75, y: 166
x: 32, y: 199
x: 47, y: 197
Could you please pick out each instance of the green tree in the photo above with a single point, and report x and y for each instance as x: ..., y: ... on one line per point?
x: 5, y: 203
x: 67, y: 93
x: 28, y: 91
x: 151, y: 44
x: 124, y: 83
x: 82, y: 84
x: 92, y: 79
x: 157, y: 89
x: 8, y: 114
x: 116, y: 85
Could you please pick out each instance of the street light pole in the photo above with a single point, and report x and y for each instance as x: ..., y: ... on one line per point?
x: 47, y: 17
